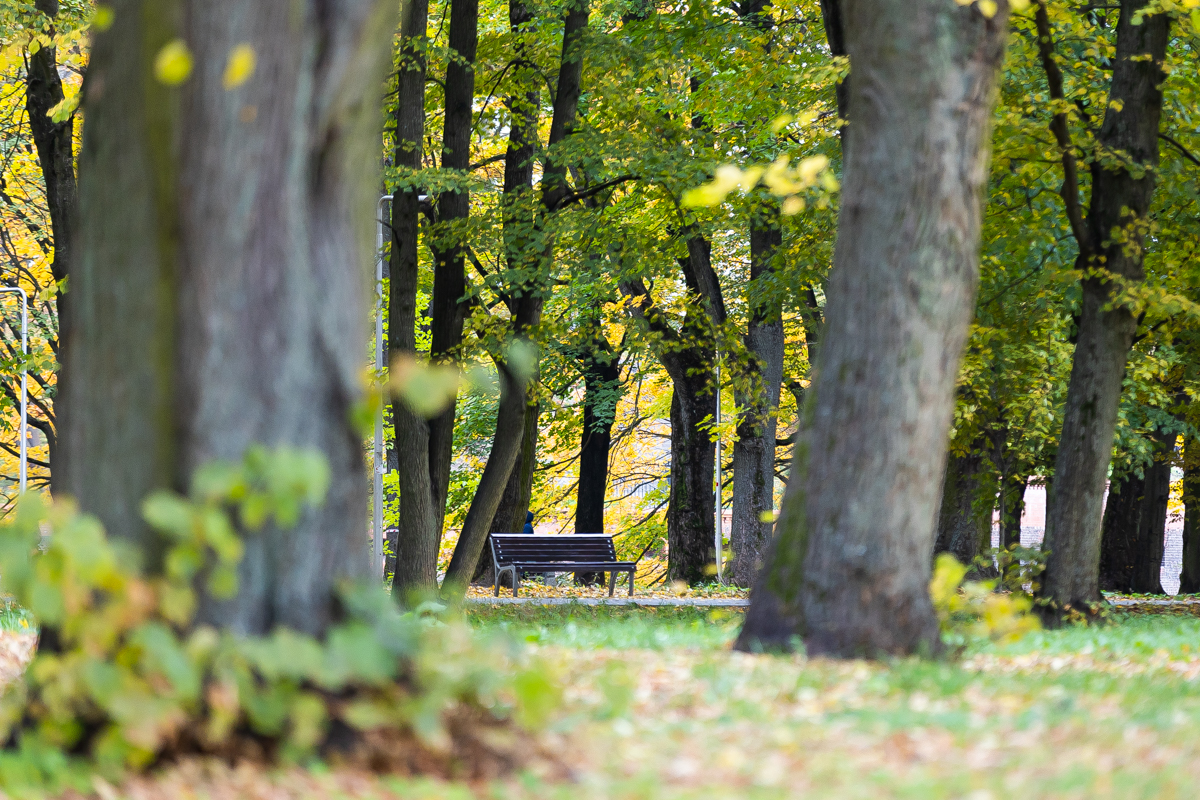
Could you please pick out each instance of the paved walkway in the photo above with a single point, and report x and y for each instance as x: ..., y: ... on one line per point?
x: 732, y: 602
x: 697, y: 602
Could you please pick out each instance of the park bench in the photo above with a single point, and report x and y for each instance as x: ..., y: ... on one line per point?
x: 514, y: 553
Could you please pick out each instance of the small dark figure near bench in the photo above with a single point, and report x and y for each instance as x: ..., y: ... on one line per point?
x: 514, y: 553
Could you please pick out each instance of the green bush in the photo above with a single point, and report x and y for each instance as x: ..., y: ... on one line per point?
x: 125, y: 679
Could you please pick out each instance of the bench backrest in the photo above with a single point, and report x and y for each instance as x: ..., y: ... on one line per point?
x: 541, y: 549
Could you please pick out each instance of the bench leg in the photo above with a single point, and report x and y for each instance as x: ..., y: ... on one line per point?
x: 516, y: 576
x: 612, y: 582
x: 631, y: 582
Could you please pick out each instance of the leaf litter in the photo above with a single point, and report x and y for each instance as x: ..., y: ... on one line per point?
x: 1097, y: 712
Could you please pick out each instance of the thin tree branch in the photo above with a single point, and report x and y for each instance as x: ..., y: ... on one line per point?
x: 1062, y: 133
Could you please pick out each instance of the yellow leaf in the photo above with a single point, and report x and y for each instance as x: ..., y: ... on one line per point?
x: 240, y: 66
x: 174, y: 63
x: 102, y: 20
x: 810, y: 168
x: 792, y: 206
x: 988, y: 8
x: 781, y: 122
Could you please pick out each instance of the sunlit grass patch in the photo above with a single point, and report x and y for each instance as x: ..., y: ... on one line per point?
x: 617, y: 627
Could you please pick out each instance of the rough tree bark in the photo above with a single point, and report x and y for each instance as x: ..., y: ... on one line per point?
x: 1189, y: 577
x: 220, y: 292
x: 760, y: 380
x: 601, y: 387
x: 754, y: 452
x: 1121, y: 194
x: 687, y: 356
x: 1119, y: 532
x: 448, y: 304
x: 1135, y: 525
x: 850, y: 568
x: 506, y: 446
x: 964, y: 526
x: 416, y: 540
x: 55, y: 144
x: 1152, y: 525
x: 835, y: 36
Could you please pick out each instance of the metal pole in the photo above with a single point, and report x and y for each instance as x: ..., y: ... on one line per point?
x: 379, y: 465
x: 24, y: 480
x: 720, y: 520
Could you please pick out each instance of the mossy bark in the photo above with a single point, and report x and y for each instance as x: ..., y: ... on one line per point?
x: 224, y: 258
x: 850, y: 568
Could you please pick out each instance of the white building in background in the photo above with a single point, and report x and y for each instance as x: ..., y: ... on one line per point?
x: 1033, y: 529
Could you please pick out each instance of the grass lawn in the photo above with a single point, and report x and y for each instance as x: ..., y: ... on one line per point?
x: 655, y: 705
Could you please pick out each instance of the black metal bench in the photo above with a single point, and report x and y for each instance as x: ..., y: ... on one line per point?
x: 514, y: 553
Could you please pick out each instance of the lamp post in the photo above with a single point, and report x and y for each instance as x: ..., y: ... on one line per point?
x: 380, y: 465
x: 720, y: 520
x: 379, y: 459
x: 24, y: 479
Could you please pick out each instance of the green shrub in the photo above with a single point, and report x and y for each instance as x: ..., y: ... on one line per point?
x: 125, y: 679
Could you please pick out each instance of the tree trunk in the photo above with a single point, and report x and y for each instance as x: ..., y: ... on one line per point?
x: 518, y: 220
x: 1120, y: 200
x: 964, y: 527
x: 601, y: 392
x: 754, y: 452
x: 1119, y: 533
x: 1189, y: 577
x: 418, y: 536
x: 850, y: 568
x: 506, y: 446
x: 219, y: 298
x: 1152, y: 522
x: 689, y: 360
x: 601, y: 369
x: 55, y: 143
x: 691, y: 508
x: 1012, y: 508
x: 449, y: 306
x: 835, y: 35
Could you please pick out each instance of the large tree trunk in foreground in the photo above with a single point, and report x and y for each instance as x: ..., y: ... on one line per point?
x: 754, y: 452
x: 1120, y: 202
x: 850, y: 568
x: 964, y: 526
x: 219, y: 299
x: 419, y: 532
x: 1189, y: 576
x: 55, y: 143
